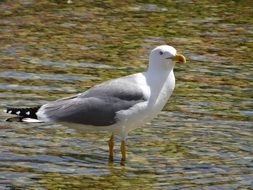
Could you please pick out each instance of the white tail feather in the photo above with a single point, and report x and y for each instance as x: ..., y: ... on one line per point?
x: 30, y: 120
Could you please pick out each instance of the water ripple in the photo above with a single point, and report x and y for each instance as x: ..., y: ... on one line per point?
x: 36, y: 76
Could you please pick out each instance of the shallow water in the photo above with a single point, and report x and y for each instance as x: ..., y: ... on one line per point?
x: 203, y: 139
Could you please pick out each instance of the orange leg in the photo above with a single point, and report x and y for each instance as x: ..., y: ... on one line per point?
x: 111, y: 145
x: 123, y: 150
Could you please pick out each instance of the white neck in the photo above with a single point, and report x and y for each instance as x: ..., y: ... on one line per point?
x: 159, y: 71
x: 158, y: 76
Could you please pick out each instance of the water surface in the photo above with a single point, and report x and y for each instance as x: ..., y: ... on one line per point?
x: 203, y: 139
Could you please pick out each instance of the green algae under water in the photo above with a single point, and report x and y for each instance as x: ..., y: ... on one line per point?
x: 203, y: 139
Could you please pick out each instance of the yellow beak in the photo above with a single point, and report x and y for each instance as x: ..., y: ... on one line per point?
x: 179, y: 58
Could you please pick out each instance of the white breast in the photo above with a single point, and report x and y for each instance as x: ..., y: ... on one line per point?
x: 144, y: 112
x: 164, y: 94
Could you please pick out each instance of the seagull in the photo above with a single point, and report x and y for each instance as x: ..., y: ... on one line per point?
x: 116, y: 106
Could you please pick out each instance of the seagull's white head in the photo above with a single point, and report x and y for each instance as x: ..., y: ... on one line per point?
x: 164, y: 57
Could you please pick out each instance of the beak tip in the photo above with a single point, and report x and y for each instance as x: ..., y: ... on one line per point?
x: 179, y: 58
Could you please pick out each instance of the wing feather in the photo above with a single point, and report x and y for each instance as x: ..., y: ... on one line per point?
x: 97, y: 106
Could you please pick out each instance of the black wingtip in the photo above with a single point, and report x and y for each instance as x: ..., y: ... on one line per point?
x: 23, y: 112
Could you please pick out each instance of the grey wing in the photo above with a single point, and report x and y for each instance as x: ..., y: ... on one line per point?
x: 97, y: 106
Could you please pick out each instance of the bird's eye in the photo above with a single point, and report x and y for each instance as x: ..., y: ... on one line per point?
x: 161, y: 53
